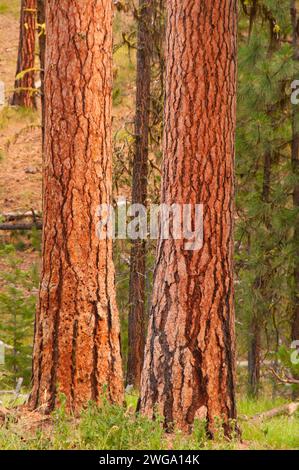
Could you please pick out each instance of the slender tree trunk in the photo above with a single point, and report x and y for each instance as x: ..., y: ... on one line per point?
x: 295, y: 166
x: 77, y: 334
x: 41, y: 20
x: 255, y: 331
x: 254, y: 358
x: 189, y: 364
x: 137, y: 295
x: 24, y: 94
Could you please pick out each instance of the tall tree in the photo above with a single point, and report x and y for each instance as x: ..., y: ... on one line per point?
x: 260, y: 283
x: 255, y: 331
x: 295, y: 167
x: 24, y: 94
x: 190, y: 353
x: 137, y: 295
x: 77, y: 343
x: 265, y: 221
x: 41, y: 21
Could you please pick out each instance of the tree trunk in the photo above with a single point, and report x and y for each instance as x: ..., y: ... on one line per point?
x: 137, y: 297
x: 255, y: 333
x: 41, y: 20
x: 24, y: 94
x: 77, y: 334
x: 190, y: 352
x: 254, y: 358
x: 295, y: 166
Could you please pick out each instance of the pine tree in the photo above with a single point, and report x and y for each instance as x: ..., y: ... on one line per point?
x: 77, y: 344
x: 25, y: 94
x: 137, y: 295
x: 189, y: 359
x: 264, y: 223
x: 41, y: 21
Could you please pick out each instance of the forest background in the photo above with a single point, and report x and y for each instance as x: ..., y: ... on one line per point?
x: 266, y: 234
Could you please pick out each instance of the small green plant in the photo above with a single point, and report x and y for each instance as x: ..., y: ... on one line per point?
x: 113, y: 427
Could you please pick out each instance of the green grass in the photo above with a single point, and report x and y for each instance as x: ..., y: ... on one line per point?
x: 11, y: 115
x: 106, y: 428
x: 277, y: 433
x: 3, y: 8
x: 117, y: 428
x: 250, y: 407
x: 10, y: 7
x: 281, y: 432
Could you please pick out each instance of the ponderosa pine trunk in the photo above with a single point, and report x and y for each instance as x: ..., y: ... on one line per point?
x: 41, y: 20
x: 137, y: 295
x: 77, y: 334
x: 24, y: 94
x: 295, y: 167
x: 189, y: 367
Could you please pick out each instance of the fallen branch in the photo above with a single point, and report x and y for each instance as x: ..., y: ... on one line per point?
x: 37, y: 225
x: 285, y: 379
x: 288, y: 410
x: 11, y: 216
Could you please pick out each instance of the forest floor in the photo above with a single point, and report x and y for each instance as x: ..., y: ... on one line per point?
x: 116, y: 428
x: 20, y: 190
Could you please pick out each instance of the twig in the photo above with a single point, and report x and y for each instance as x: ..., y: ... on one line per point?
x: 285, y: 379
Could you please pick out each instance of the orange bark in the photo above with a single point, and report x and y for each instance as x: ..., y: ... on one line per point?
x: 24, y: 94
x: 42, y: 51
x: 77, y: 342
x: 189, y: 365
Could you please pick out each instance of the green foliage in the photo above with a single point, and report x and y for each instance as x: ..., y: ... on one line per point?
x: 265, y: 214
x: 22, y: 74
x: 113, y: 427
x: 3, y: 8
x: 124, y: 60
x: 17, y: 308
x: 290, y: 360
x: 116, y: 96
